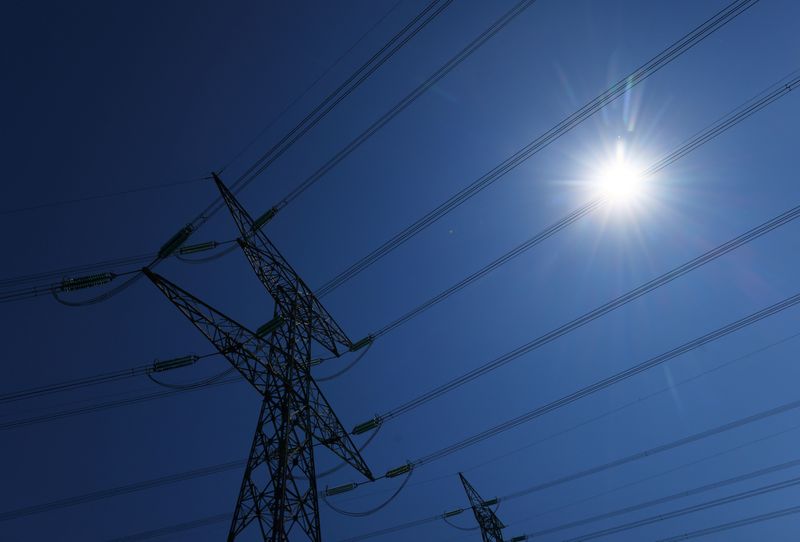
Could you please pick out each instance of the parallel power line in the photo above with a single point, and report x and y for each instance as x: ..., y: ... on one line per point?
x: 419, y: 22
x: 409, y: 99
x: 661, y: 60
x: 737, y: 524
x: 620, y: 301
x: 263, y: 131
x: 735, y: 243
x: 744, y: 111
x: 652, y: 362
x: 614, y: 379
x: 632, y: 458
x: 643, y: 505
x: 749, y: 108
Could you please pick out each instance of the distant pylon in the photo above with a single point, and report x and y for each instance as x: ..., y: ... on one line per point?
x: 491, y: 527
x: 279, y: 489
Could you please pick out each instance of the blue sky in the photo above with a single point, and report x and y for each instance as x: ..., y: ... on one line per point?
x: 104, y: 97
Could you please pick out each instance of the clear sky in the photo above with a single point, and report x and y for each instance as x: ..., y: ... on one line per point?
x: 103, y: 97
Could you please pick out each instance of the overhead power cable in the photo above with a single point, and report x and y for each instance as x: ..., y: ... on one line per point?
x: 272, y: 123
x: 752, y: 520
x: 633, y: 458
x: 680, y: 512
x: 423, y: 18
x: 428, y: 14
x: 107, y: 405
x: 310, y: 87
x: 35, y: 509
x: 752, y: 234
x: 106, y: 195
x: 616, y: 379
x: 102, y: 378
x: 672, y: 52
x: 638, y: 401
x: 669, y: 276
x: 773, y: 93
x: 174, y: 529
x: 610, y: 381
x: 665, y: 499
x: 120, y: 490
x: 445, y: 69
x: 739, y: 114
x: 656, y: 63
x: 409, y: 99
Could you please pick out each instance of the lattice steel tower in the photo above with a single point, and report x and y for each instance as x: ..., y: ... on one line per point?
x: 279, y: 490
x: 491, y: 527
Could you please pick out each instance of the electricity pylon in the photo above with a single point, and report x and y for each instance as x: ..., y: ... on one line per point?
x: 488, y: 521
x: 279, y: 489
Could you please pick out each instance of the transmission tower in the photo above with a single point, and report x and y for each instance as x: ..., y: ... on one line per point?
x: 488, y: 521
x: 279, y: 489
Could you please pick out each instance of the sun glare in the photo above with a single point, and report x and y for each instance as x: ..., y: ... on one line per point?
x: 621, y: 179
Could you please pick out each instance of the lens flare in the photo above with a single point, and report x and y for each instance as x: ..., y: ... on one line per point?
x: 621, y: 179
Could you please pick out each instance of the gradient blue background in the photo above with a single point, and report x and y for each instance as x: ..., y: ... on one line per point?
x: 106, y: 96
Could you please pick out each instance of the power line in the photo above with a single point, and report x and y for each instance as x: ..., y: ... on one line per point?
x: 310, y: 87
x: 120, y: 490
x: 174, y: 529
x: 728, y: 121
x: 106, y: 195
x: 422, y: 19
x: 672, y: 52
x: 616, y: 410
x: 666, y: 56
x: 700, y: 507
x: 272, y: 123
x: 739, y: 114
x: 669, y: 276
x: 734, y: 524
x: 409, y: 99
x: 445, y: 69
x: 673, y: 497
x: 616, y: 378
x: 736, y: 424
x: 427, y: 15
x: 107, y: 405
x: 639, y: 456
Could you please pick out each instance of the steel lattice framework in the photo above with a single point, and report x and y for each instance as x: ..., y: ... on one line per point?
x: 491, y: 527
x: 279, y: 490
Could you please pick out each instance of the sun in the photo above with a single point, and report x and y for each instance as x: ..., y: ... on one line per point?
x: 620, y: 179
x: 620, y: 182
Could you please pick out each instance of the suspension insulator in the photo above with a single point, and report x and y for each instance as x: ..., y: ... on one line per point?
x: 270, y: 326
x: 263, y: 219
x: 374, y: 423
x: 87, y: 281
x: 200, y: 247
x: 393, y: 473
x: 338, y: 490
x: 362, y: 343
x: 452, y: 513
x: 490, y: 502
x: 166, y: 365
x: 175, y: 241
x: 519, y: 538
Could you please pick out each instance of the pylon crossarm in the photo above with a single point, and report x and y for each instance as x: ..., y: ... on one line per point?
x: 329, y: 432
x: 279, y: 277
x: 240, y: 346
